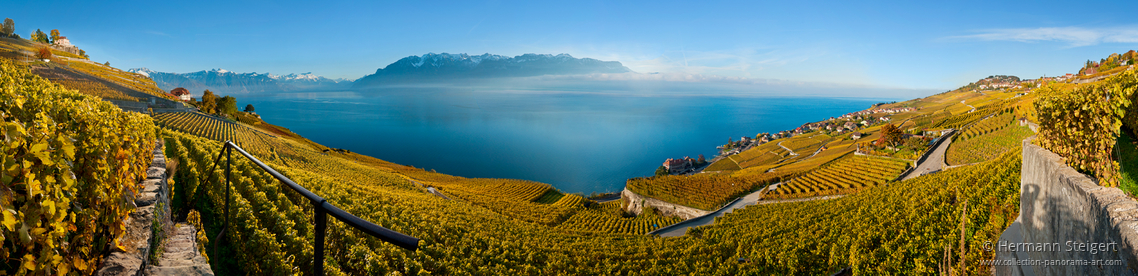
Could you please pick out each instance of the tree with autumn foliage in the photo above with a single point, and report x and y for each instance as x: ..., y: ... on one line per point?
x: 54, y: 35
x: 43, y: 53
x: 892, y: 135
x: 208, y: 103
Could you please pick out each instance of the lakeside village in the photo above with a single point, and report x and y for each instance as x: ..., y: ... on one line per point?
x: 850, y: 122
x: 854, y: 122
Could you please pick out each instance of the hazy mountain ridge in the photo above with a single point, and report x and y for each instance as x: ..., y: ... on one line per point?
x: 444, y: 66
x: 226, y: 82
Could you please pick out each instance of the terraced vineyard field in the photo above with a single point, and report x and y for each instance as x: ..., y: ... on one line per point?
x: 805, y: 145
x: 96, y: 89
x: 134, y: 81
x: 986, y: 126
x: 931, y: 120
x: 219, y: 130
x: 901, y: 229
x: 511, y: 197
x: 607, y: 217
x: 765, y: 154
x: 702, y: 191
x: 846, y: 175
x: 986, y: 146
x: 725, y: 164
x: 962, y: 120
x: 570, y: 201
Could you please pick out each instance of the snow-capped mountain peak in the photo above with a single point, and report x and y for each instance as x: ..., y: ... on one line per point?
x: 228, y: 82
x: 141, y: 71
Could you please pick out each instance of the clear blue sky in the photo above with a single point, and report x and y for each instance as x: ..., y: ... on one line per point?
x: 904, y: 44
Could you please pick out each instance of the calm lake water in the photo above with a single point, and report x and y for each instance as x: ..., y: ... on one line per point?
x: 578, y: 142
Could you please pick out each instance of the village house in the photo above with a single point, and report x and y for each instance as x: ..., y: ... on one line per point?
x: 181, y: 93
x: 855, y: 135
x: 63, y: 42
x: 677, y: 166
x: 1091, y: 71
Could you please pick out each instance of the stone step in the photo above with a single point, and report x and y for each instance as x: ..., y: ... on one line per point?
x: 136, y: 241
x: 180, y: 248
x: 180, y: 255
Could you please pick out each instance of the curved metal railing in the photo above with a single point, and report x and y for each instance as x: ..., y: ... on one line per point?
x: 322, y: 209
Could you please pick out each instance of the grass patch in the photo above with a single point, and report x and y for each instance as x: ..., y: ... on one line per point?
x: 1128, y: 161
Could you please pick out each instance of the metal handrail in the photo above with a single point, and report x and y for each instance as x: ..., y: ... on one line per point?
x: 322, y: 209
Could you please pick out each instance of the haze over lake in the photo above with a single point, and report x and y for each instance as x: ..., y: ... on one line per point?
x: 578, y: 142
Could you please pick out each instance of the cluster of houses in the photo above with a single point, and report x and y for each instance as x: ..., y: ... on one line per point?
x: 867, y: 112
x: 846, y: 123
x: 850, y: 122
x: 1059, y: 78
x: 998, y: 85
x: 992, y: 83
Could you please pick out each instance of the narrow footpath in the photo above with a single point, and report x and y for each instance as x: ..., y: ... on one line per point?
x: 973, y: 107
x: 180, y: 254
x: 787, y: 149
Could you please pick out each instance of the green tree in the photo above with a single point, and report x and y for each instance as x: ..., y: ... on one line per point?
x: 108, y: 64
x: 9, y: 27
x: 661, y: 171
x: 54, y: 35
x: 249, y: 108
x: 209, y: 102
x: 227, y: 105
x: 39, y: 36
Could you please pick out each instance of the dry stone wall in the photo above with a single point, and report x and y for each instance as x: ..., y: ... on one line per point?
x: 637, y: 203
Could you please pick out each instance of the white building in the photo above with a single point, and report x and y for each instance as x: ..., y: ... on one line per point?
x: 63, y: 42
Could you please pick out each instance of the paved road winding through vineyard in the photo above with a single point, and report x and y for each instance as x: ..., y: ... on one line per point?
x: 679, y: 229
x: 934, y: 162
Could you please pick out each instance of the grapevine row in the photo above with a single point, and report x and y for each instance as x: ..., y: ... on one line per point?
x: 848, y: 174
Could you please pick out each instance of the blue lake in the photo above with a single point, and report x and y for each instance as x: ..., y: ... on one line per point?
x: 578, y: 142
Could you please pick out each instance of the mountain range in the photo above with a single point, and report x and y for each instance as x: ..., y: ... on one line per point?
x: 223, y: 81
x: 430, y: 67
x: 445, y: 67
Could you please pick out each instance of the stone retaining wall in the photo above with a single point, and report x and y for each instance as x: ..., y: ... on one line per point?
x: 637, y: 203
x: 1061, y: 205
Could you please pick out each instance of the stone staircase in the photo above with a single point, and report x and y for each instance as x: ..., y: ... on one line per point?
x: 178, y: 256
